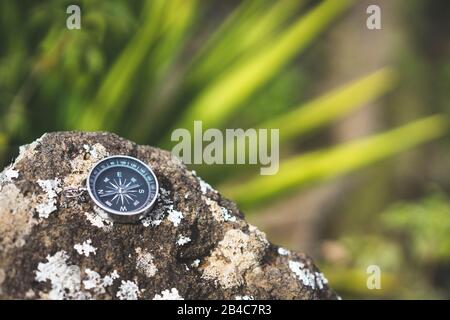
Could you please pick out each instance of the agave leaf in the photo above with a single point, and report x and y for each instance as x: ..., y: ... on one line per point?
x: 323, y: 165
x: 180, y: 14
x: 251, y: 25
x: 179, y: 20
x: 114, y: 91
x: 222, y: 97
x: 319, y: 112
x: 332, y: 106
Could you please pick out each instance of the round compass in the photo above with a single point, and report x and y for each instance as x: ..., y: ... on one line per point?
x: 124, y: 187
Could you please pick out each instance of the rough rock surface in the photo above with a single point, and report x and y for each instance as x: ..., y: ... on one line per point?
x: 195, y: 245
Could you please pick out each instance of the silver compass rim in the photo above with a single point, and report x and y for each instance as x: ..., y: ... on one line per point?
x: 120, y: 216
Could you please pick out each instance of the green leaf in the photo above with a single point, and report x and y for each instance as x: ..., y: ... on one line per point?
x: 181, y: 15
x: 222, y: 97
x: 320, y: 166
x: 115, y: 89
x: 332, y: 106
x: 250, y: 25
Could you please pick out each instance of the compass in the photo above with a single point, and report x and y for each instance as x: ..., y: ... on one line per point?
x: 125, y: 187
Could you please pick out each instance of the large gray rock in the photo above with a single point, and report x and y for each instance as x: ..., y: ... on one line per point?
x: 195, y: 245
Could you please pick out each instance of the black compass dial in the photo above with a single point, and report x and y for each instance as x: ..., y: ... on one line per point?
x: 122, y: 185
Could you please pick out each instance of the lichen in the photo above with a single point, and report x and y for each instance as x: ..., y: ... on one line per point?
x: 96, y: 283
x: 307, y: 277
x: 214, y: 208
x: 83, y: 163
x: 144, y: 262
x: 99, y: 219
x: 182, y: 240
x: 244, y: 298
x: 8, y: 175
x: 49, y: 200
x: 29, y: 150
x: 283, y: 252
x: 16, y: 217
x: 65, y: 279
x: 128, y: 290
x: 85, y: 248
x: 237, y: 253
x: 219, y: 213
x: 226, y: 215
x: 165, y: 205
x: 205, y: 187
x: 174, y: 216
x: 196, y: 263
x: 321, y: 280
x: 168, y: 295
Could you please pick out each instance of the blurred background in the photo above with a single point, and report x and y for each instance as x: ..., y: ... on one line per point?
x: 364, y: 176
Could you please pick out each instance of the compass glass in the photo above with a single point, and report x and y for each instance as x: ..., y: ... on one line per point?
x: 122, y: 185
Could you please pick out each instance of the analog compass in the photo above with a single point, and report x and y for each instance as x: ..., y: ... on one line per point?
x: 124, y: 187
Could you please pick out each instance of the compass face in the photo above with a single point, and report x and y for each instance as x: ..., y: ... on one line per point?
x: 122, y: 185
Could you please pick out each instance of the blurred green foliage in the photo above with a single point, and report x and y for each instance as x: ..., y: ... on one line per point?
x: 141, y: 69
x: 411, y: 245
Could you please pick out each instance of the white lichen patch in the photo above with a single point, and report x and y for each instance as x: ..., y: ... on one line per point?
x: 85, y: 248
x: 196, y: 263
x: 109, y: 279
x: 307, y: 277
x: 145, y: 262
x: 93, y: 281
x: 234, y: 255
x: 28, y: 150
x: 16, y: 217
x: 69, y: 282
x: 149, y: 221
x: 226, y: 215
x: 244, y: 298
x: 82, y: 164
x: 321, y: 280
x: 166, y: 205
x: 168, y: 295
x: 65, y: 279
x: 48, y: 204
x: 174, y: 216
x: 99, y: 219
x: 165, y: 196
x: 97, y: 151
x: 205, y: 187
x: 96, y: 283
x: 219, y: 213
x: 7, y: 175
x: 128, y: 290
x: 182, y: 240
x: 283, y: 252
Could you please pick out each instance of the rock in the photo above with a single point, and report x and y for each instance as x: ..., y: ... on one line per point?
x: 195, y: 245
